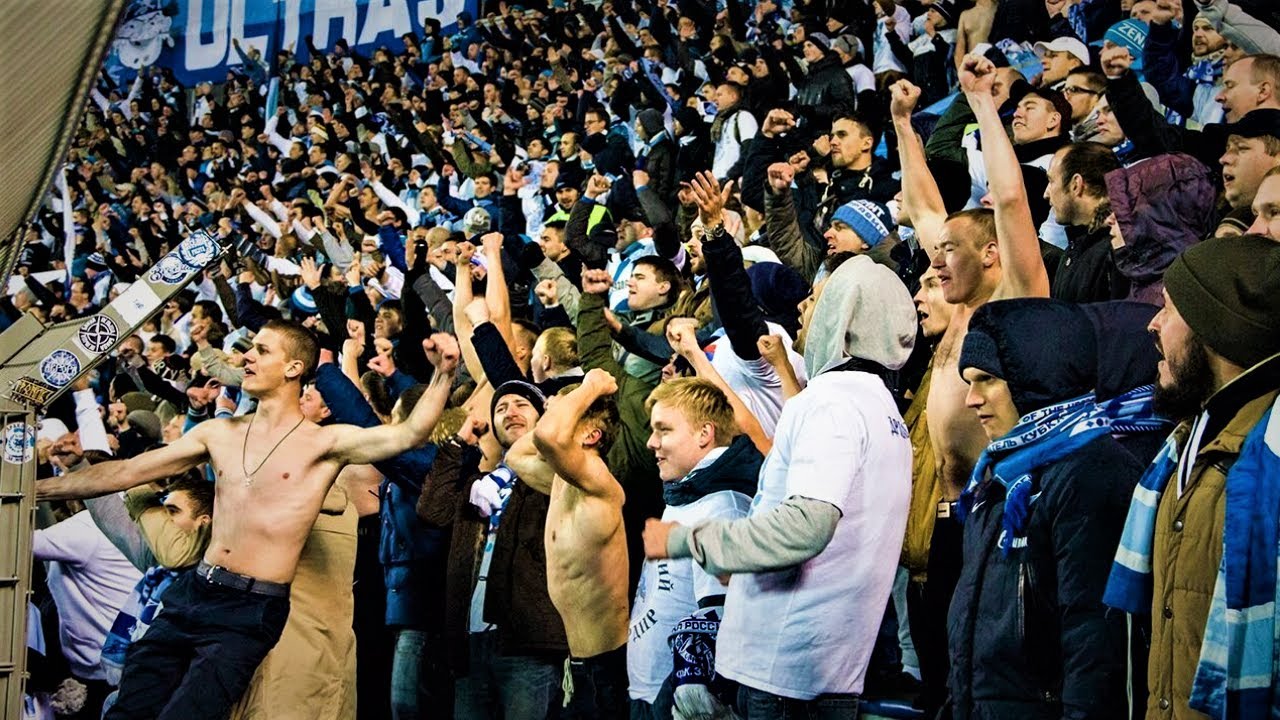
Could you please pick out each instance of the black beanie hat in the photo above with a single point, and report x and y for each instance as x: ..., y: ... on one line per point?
x: 525, y: 390
x: 689, y: 119
x: 1228, y: 292
x: 1006, y: 339
x: 947, y: 9
x: 820, y: 41
x: 652, y: 122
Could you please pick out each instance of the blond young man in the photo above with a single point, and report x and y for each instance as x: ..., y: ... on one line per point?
x: 709, y: 471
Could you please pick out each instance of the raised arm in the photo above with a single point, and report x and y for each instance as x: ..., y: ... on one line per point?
x: 782, y: 227
x: 361, y: 446
x: 177, y: 457
x: 269, y: 224
x: 530, y: 467
x: 557, y: 439
x: 497, y: 297
x: 774, y: 351
x: 921, y: 201
x: 463, y: 294
x: 1023, y: 272
x: 682, y: 333
x: 731, y: 294
x: 595, y: 346
x: 392, y: 200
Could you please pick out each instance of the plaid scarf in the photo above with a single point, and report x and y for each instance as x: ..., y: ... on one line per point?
x: 1238, y: 658
x: 1040, y: 438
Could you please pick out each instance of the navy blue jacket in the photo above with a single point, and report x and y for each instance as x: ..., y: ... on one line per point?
x: 408, y: 548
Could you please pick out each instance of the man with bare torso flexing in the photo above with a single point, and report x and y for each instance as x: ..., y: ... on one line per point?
x: 977, y: 256
x: 273, y: 471
x: 585, y: 541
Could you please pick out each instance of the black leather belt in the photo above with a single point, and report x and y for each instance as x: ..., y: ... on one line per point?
x: 946, y: 509
x: 235, y: 581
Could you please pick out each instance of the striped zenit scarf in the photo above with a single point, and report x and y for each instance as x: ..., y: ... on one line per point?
x: 1133, y: 413
x: 1039, y: 438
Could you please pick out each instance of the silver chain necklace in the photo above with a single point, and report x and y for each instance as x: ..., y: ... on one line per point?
x: 248, y: 476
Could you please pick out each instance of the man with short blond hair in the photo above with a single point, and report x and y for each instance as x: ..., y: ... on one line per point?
x: 709, y: 471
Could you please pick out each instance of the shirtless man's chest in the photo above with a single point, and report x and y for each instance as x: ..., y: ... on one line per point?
x: 954, y: 431
x: 587, y: 569
x: 265, y: 505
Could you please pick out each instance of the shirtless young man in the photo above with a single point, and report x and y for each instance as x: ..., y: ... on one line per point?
x: 973, y: 28
x: 978, y: 256
x: 975, y: 256
x: 220, y: 620
x: 585, y: 541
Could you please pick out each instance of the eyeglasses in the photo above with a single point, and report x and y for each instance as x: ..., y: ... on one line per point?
x: 1069, y: 91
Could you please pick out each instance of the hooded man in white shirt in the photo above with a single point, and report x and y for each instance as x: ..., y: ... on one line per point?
x: 815, y: 559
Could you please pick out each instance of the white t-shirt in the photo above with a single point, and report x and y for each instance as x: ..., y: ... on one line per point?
x: 810, y: 629
x: 669, y: 591
x: 90, y: 581
x: 863, y: 78
x: 755, y: 381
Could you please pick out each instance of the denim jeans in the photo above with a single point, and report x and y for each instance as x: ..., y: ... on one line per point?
x: 506, y: 687
x: 760, y: 705
x: 420, y: 684
x: 199, y: 654
x: 641, y: 710
x: 599, y: 687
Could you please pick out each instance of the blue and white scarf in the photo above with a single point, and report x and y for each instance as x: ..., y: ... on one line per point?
x: 1238, y: 658
x: 1133, y: 413
x: 505, y: 478
x: 652, y: 142
x: 1040, y: 438
x: 1206, y: 71
x: 134, y: 619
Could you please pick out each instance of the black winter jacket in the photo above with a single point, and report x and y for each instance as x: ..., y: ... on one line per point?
x: 1087, y: 273
x: 825, y: 92
x: 1029, y: 636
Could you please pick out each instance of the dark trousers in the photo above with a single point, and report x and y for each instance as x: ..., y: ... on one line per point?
x: 599, y: 687
x: 199, y: 654
x: 927, y: 606
x: 760, y: 705
x: 506, y: 687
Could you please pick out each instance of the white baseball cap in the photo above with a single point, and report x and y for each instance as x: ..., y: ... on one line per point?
x: 1065, y: 44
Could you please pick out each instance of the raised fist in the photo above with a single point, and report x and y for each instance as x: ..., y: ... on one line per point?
x: 780, y: 176
x: 778, y: 121
x: 1116, y: 61
x: 596, y: 282
x: 442, y: 352
x: 772, y: 349
x: 977, y: 74
x: 903, y: 98
x: 547, y: 293
x: 601, y: 382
